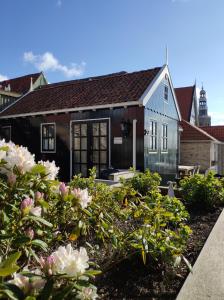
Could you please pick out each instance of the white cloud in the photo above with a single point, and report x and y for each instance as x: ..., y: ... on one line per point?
x: 217, y: 117
x: 59, y: 3
x: 3, y: 77
x: 48, y: 62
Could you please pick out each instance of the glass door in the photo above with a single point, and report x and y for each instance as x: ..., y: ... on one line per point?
x: 90, y: 146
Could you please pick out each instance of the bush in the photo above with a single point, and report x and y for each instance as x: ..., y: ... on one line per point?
x: 202, y: 192
x: 47, y: 227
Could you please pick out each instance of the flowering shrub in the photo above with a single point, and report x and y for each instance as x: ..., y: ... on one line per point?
x: 30, y: 205
x: 52, y: 234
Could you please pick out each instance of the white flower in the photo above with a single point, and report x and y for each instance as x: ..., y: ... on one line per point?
x: 36, y: 211
x: 2, y: 154
x: 83, y: 197
x: 87, y: 293
x: 16, y: 156
x: 51, y: 169
x: 27, y: 284
x: 68, y: 261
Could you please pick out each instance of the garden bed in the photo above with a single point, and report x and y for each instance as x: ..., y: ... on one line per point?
x: 131, y: 279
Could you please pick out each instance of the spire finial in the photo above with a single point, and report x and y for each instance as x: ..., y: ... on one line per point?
x: 166, y: 55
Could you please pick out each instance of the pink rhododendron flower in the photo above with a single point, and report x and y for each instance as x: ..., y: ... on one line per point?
x: 38, y: 195
x: 26, y: 203
x: 63, y: 189
x: 29, y: 233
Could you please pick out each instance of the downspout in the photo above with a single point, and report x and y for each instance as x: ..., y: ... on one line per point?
x: 134, y: 143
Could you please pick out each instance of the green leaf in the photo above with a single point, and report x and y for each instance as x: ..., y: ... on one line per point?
x: 8, y: 266
x: 64, y: 293
x: 38, y: 220
x: 15, y: 290
x: 40, y: 244
x: 38, y: 169
x: 47, y: 290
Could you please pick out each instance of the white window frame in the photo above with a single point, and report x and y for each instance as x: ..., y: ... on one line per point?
x: 10, y: 131
x: 163, y: 150
x: 153, y: 136
x: 41, y: 138
x: 166, y: 93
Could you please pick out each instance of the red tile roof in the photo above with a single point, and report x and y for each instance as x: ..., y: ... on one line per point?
x: 216, y: 131
x: 20, y: 85
x: 184, y: 97
x: 192, y: 132
x: 108, y: 89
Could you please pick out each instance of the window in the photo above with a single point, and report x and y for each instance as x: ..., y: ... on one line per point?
x: 166, y: 90
x: 5, y: 133
x: 164, y: 137
x: 152, y: 136
x: 48, y: 137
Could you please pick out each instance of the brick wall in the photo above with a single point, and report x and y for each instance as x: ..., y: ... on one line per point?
x: 196, y: 152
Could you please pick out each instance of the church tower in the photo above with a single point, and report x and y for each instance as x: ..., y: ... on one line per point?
x: 203, y: 118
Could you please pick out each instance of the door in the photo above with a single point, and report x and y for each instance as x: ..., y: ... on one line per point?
x: 90, y: 146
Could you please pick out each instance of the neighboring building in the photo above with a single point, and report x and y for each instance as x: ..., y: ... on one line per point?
x: 199, y: 147
x: 13, y: 89
x: 187, y: 101
x: 203, y: 118
x: 118, y: 120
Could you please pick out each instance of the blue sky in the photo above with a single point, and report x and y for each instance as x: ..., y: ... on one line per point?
x: 70, y: 39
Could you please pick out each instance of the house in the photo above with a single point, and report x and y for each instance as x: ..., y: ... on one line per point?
x: 12, y: 90
x: 119, y: 121
x: 197, y: 145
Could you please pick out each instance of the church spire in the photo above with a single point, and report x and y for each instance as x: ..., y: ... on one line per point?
x: 204, y: 118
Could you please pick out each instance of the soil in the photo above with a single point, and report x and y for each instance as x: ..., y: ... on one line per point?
x: 131, y: 279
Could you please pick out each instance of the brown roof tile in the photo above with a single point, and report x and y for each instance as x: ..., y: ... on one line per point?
x: 184, y: 97
x: 216, y: 131
x: 19, y: 85
x: 192, y: 132
x: 108, y: 89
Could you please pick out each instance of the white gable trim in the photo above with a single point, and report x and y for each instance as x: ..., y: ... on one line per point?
x: 154, y: 85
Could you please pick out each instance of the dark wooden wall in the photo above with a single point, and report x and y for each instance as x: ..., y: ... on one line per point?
x: 26, y: 131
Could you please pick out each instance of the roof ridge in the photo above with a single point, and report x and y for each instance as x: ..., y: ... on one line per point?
x: 28, y: 75
x: 89, y: 79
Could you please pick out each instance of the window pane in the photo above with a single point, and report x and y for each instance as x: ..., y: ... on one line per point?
x: 51, y: 131
x: 77, y: 130
x: 103, y: 143
x: 44, y: 131
x: 84, y: 143
x: 45, y: 144
x: 103, y: 128
x: 95, y: 143
x: 76, y: 168
x: 95, y: 129
x: 51, y: 144
x: 77, y: 156
x: 84, y: 170
x: 84, y: 129
x: 103, y: 157
x: 84, y: 156
x: 77, y: 143
x: 96, y: 157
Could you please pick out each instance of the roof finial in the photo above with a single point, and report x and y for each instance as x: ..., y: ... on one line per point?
x: 166, y: 55
x: 31, y: 84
